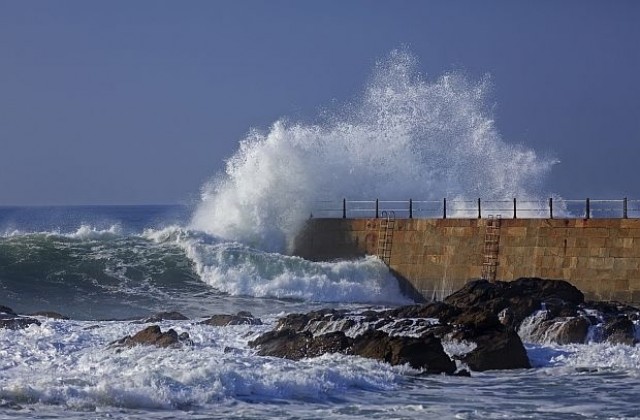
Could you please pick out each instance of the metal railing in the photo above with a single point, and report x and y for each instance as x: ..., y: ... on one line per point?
x: 464, y: 209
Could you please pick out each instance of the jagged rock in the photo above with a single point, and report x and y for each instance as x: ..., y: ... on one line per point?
x: 50, y: 314
x: 498, y: 350
x: 425, y: 352
x: 241, y: 318
x: 162, y: 316
x: 152, y: 335
x: 521, y: 297
x: 290, y: 344
x: 6, y: 310
x: 421, y: 353
x: 17, y: 322
x: 298, y: 322
x: 619, y: 330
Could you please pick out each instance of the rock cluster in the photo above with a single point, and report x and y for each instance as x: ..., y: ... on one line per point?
x: 484, y: 321
x: 153, y: 336
x: 10, y: 320
x: 480, y: 327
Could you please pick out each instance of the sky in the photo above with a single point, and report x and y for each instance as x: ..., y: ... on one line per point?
x: 140, y: 102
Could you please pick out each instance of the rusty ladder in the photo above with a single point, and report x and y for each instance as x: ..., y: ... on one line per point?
x: 385, y: 236
x: 491, y: 248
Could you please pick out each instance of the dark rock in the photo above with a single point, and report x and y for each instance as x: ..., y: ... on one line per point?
x: 164, y: 316
x: 222, y: 320
x: 463, y: 372
x: 6, y: 310
x: 520, y: 297
x: 619, y: 330
x: 153, y: 336
x: 49, y: 314
x: 295, y: 345
x: 17, y: 322
x: 421, y: 353
x: 477, y: 319
x: 498, y: 350
x: 568, y: 331
x: 424, y: 353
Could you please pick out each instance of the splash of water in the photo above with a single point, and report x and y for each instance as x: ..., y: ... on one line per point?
x: 406, y: 136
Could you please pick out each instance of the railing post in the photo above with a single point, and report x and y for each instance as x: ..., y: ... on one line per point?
x: 625, y: 208
x: 377, y: 207
x: 410, y: 209
x: 444, y: 208
x: 514, y: 207
x: 479, y: 210
x: 344, y: 208
x: 550, y: 208
x: 588, y: 209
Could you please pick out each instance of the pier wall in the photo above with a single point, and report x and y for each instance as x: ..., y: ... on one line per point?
x: 436, y: 256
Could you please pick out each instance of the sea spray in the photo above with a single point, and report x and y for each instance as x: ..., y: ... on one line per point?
x: 405, y: 137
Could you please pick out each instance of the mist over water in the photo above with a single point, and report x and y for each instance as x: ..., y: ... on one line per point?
x: 406, y: 136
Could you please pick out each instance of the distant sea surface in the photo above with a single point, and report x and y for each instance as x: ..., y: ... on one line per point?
x: 104, y: 266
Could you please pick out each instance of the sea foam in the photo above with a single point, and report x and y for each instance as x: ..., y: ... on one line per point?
x: 240, y: 270
x: 405, y: 137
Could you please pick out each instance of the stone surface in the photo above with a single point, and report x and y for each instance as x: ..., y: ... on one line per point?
x: 425, y: 352
x: 162, y: 316
x: 599, y: 256
x: 497, y: 350
x: 153, y: 336
x: 49, y: 314
x: 241, y: 318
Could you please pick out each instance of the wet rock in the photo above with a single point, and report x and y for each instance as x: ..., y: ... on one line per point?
x: 6, y: 310
x: 153, y: 336
x: 241, y: 318
x: 10, y: 320
x: 520, y: 297
x: 497, y: 350
x: 294, y: 345
x: 17, y: 322
x: 619, y: 330
x: 50, y: 314
x: 424, y: 353
x: 421, y: 353
x: 164, y: 316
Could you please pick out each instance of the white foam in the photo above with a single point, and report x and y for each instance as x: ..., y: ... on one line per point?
x: 62, y: 363
x: 238, y: 269
x: 406, y: 137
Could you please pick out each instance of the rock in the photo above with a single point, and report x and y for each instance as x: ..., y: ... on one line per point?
x: 49, y: 314
x: 289, y: 344
x: 520, y: 297
x: 543, y: 328
x: 152, y: 335
x: 569, y: 331
x: 424, y: 353
x: 6, y: 310
x: 421, y: 353
x: 17, y: 322
x: 619, y: 330
x: 498, y: 350
x: 163, y: 316
x: 222, y: 320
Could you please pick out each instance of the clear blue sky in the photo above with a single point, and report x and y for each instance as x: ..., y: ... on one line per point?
x: 117, y: 102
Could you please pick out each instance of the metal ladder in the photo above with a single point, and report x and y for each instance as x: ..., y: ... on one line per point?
x: 491, y: 249
x: 385, y: 235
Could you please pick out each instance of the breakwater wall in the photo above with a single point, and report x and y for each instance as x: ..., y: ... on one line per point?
x: 433, y: 257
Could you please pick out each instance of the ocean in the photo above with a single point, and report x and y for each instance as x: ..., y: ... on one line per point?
x: 105, y: 267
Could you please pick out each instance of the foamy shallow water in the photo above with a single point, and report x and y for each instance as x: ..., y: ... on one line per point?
x: 65, y: 369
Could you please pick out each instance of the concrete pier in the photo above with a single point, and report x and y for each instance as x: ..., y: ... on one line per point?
x: 433, y: 257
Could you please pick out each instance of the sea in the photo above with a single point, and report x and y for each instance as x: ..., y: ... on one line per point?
x: 107, y: 267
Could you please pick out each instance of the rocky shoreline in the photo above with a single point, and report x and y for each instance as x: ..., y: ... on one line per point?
x: 479, y: 327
